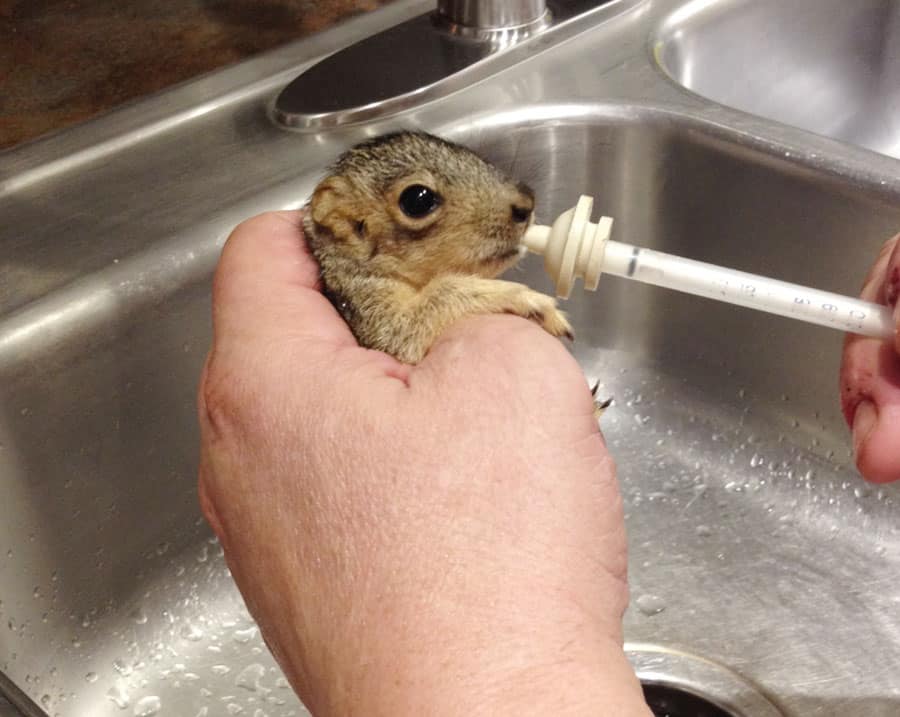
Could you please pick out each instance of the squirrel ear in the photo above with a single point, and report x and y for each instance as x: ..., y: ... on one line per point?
x: 334, y: 207
x: 330, y: 194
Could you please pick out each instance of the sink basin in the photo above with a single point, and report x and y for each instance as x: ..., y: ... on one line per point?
x: 826, y: 66
x: 756, y: 551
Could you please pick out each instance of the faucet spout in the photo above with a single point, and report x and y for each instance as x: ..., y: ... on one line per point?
x: 483, y: 15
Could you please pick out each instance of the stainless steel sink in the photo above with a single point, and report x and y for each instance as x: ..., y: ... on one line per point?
x: 827, y: 66
x: 763, y: 569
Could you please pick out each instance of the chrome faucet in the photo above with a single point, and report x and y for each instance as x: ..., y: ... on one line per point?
x: 430, y: 56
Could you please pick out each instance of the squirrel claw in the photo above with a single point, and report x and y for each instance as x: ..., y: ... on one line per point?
x: 601, y: 406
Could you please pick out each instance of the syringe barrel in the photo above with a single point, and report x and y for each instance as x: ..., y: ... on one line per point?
x: 745, y: 289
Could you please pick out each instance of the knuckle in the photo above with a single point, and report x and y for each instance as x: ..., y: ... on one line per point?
x: 220, y: 400
x: 252, y: 226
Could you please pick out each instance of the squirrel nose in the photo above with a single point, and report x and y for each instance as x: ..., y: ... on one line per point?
x: 523, y: 205
x: 520, y: 214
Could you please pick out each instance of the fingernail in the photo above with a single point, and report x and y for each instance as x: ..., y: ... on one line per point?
x: 864, y: 421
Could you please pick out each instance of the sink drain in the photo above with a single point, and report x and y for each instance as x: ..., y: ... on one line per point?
x: 677, y: 684
x: 667, y: 701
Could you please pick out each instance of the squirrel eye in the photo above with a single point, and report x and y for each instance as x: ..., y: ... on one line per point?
x: 417, y: 200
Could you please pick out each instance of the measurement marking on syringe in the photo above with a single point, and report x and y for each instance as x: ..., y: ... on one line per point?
x: 632, y: 265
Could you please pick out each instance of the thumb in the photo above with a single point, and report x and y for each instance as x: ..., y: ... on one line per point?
x: 266, y: 287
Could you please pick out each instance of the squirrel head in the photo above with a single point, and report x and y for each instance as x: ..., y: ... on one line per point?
x: 415, y: 206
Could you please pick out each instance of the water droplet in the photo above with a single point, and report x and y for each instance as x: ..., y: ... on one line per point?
x: 91, y: 677
x: 260, y: 713
x: 162, y: 548
x: 204, y: 711
x: 119, y: 696
x: 249, y: 677
x: 244, y: 636
x: 45, y: 701
x: 650, y: 604
x: 282, y: 684
x: 147, y: 706
x: 37, y: 592
x: 122, y: 667
x: 756, y: 460
x: 704, y: 531
x: 191, y: 632
x: 234, y: 708
x: 220, y: 669
x: 139, y: 616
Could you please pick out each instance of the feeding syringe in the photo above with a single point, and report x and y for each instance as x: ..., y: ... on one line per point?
x: 576, y: 247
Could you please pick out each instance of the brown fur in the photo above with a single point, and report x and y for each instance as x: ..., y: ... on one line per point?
x: 399, y: 281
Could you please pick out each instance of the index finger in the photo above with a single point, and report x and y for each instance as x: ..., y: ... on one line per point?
x: 267, y: 286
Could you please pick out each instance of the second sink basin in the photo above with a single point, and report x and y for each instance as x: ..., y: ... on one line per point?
x: 828, y: 66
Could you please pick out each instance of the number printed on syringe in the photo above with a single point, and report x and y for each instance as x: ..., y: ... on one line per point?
x: 801, y: 304
x: 854, y: 317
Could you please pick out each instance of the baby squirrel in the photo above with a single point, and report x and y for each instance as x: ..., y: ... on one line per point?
x: 410, y: 232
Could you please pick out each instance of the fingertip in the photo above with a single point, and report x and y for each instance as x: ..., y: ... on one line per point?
x: 876, y: 434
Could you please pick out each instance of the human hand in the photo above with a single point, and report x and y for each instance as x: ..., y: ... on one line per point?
x: 870, y: 378
x: 440, y: 539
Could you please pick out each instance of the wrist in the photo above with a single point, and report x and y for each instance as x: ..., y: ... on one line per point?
x: 474, y: 663
x: 553, y: 681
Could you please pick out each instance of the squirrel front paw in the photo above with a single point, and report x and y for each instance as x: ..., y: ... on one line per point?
x: 542, y: 309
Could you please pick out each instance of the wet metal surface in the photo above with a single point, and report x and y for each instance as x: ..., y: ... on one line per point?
x: 754, y: 545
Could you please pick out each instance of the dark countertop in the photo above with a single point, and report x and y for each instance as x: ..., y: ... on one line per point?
x: 64, y: 61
